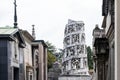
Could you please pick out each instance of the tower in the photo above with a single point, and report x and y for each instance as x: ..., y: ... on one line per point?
x: 74, y: 61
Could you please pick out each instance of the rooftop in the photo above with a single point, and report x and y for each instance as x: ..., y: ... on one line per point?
x: 8, y: 30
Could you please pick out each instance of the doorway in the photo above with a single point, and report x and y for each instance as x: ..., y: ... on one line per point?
x: 16, y: 73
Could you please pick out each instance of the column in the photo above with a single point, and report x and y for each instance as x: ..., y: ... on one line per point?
x: 76, y: 51
x: 117, y: 40
x: 79, y: 37
x: 81, y: 62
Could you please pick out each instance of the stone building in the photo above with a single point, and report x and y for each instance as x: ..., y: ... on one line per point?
x: 104, y: 43
x: 12, y: 46
x: 35, y: 57
x: 55, y: 71
x: 39, y: 58
x: 28, y: 67
x: 117, y: 39
x: 74, y: 61
x: 100, y: 50
x: 19, y: 53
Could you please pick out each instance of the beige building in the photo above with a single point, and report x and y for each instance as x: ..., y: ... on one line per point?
x: 28, y: 55
x: 39, y: 58
x: 35, y: 57
x: 117, y: 39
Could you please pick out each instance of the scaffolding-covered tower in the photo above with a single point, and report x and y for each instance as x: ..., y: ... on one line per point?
x: 74, y: 61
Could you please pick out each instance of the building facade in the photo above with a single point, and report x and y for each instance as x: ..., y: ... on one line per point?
x: 117, y: 40
x: 106, y: 51
x: 28, y: 67
x: 19, y: 52
x: 39, y: 58
x: 101, y: 51
x: 11, y: 54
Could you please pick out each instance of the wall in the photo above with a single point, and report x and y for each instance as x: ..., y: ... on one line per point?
x: 108, y: 22
x: 74, y: 77
x: 117, y: 39
x: 13, y: 48
x: 21, y: 65
x: 28, y: 59
x: 14, y: 51
x: 41, y: 62
x: 3, y: 60
x: 28, y: 54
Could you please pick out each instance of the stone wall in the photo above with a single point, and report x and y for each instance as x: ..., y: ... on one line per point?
x: 75, y: 77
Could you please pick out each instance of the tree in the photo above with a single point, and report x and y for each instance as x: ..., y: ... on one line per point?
x: 90, y: 57
x: 51, y: 48
x: 59, y: 55
x: 51, y: 57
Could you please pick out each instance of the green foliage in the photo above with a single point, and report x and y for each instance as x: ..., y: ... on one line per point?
x: 90, y: 58
x: 51, y: 57
x: 51, y: 48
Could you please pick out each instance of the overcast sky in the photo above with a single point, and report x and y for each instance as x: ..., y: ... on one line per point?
x: 51, y: 16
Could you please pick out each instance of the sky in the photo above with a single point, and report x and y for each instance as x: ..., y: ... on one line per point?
x: 51, y: 16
